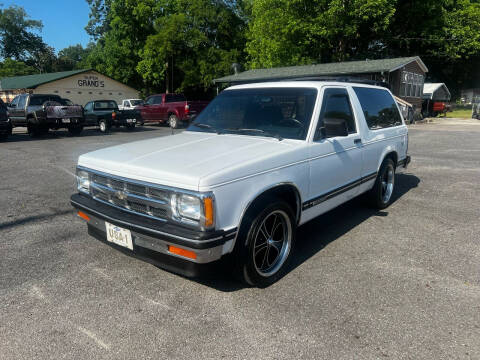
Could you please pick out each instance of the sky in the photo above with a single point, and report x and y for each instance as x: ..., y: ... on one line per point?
x: 63, y: 20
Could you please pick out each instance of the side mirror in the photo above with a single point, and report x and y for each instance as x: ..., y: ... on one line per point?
x: 334, y: 127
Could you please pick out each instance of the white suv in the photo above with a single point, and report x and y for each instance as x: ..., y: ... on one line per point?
x: 259, y: 161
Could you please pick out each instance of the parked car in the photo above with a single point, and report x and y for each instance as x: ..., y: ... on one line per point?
x: 434, y: 108
x: 105, y: 114
x: 173, y: 109
x: 41, y: 112
x: 476, y: 110
x: 259, y: 161
x: 5, y: 126
x: 128, y: 104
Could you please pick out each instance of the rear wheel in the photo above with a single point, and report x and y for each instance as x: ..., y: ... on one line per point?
x: 75, y: 129
x: 103, y: 126
x: 35, y: 130
x: 173, y: 121
x: 380, y: 196
x: 262, y: 254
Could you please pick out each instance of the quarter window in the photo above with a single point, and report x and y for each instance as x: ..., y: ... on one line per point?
x: 379, y: 108
x: 336, y: 105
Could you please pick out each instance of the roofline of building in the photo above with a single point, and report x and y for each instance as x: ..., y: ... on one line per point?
x: 418, y: 60
x: 231, y: 78
x: 80, y: 71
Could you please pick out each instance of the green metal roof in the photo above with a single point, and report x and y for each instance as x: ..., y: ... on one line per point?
x: 330, y: 69
x: 32, y: 81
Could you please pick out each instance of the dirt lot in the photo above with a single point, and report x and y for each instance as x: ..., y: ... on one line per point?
x: 403, y: 283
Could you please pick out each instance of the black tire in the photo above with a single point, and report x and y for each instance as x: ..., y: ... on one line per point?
x: 256, y: 246
x: 173, y: 121
x: 75, y: 129
x: 380, y: 196
x: 130, y: 127
x: 34, y: 130
x: 103, y: 126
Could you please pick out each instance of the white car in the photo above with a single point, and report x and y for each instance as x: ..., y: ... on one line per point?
x: 129, y: 104
x: 259, y: 161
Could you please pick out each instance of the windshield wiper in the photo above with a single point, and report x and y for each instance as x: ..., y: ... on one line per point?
x: 260, y: 131
x: 206, y: 126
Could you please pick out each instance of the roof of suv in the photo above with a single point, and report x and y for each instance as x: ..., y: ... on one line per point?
x: 314, y: 84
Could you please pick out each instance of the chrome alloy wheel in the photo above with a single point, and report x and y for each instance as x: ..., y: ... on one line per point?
x: 272, y: 244
x: 388, y: 181
x: 103, y: 126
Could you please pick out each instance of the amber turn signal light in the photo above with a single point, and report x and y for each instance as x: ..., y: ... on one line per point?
x: 208, y: 207
x: 182, y: 252
x: 83, y: 216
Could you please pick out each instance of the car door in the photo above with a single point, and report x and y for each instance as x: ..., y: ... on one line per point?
x: 88, y: 114
x: 335, y: 161
x: 147, y: 110
x: 20, y: 111
x: 12, y: 109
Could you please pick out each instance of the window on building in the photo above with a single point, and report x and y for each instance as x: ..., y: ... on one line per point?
x: 379, y: 108
x: 411, y: 84
x: 79, y: 92
x: 68, y: 91
x: 55, y: 91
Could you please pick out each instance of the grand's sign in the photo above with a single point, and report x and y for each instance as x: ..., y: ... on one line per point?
x: 91, y: 81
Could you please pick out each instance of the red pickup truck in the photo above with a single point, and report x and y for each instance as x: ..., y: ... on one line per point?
x: 171, y: 108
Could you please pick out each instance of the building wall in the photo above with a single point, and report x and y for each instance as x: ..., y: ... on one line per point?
x: 441, y: 95
x: 91, y: 85
x: 396, y: 84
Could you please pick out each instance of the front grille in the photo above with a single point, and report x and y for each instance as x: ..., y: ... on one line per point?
x: 130, y: 196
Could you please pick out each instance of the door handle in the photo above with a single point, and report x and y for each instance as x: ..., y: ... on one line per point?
x: 357, y: 141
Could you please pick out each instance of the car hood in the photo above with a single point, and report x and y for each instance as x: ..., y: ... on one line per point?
x: 193, y: 160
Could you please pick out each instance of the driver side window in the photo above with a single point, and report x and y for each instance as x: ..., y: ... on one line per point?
x: 336, y: 107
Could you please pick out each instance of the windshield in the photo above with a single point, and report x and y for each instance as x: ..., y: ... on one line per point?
x: 136, y: 102
x: 280, y: 112
x: 105, y: 105
x: 40, y: 99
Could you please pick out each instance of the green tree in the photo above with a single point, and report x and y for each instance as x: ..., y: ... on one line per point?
x: 10, y: 67
x: 293, y: 32
x: 74, y: 56
x: 18, y: 39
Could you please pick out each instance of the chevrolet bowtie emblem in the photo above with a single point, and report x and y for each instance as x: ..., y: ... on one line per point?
x: 121, y: 195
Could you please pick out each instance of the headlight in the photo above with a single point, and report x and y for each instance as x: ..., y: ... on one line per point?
x: 193, y: 210
x: 186, y: 206
x: 83, y: 181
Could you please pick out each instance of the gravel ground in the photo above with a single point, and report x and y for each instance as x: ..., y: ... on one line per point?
x: 403, y: 283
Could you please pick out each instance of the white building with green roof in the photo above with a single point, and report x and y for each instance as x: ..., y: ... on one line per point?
x: 80, y: 86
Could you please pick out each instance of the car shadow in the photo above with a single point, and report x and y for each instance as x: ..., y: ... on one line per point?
x: 63, y: 133
x: 310, y: 240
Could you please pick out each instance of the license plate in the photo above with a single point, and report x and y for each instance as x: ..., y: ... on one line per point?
x: 66, y: 121
x: 119, y: 236
x: 131, y: 120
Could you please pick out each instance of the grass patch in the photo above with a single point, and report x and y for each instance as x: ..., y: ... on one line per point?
x: 460, y: 113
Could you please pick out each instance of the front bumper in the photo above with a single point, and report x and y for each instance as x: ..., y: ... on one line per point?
x: 151, y: 240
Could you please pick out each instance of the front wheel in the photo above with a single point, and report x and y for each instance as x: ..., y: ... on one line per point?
x: 380, y: 196
x: 173, y: 121
x: 263, y: 255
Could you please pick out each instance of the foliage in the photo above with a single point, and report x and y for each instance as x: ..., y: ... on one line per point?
x: 10, y: 67
x: 17, y: 39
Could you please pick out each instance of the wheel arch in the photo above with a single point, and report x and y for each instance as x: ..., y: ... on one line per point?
x: 391, y: 153
x: 285, y: 190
